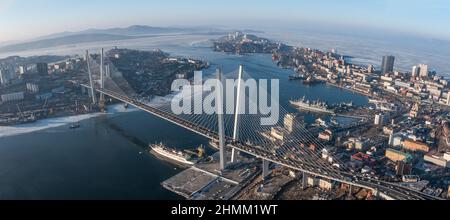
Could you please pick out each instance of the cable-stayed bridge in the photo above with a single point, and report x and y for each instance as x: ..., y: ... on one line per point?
x: 292, y: 145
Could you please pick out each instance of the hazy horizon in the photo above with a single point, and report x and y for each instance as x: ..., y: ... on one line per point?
x: 24, y: 20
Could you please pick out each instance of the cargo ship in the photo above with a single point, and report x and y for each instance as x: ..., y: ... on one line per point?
x: 317, y: 106
x: 172, y: 154
x: 15, y: 120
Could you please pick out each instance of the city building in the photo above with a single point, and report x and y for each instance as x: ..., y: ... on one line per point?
x: 289, y: 122
x: 395, y: 155
x: 395, y: 140
x: 414, y: 113
x: 415, y: 146
x: 379, y: 119
x: 3, y: 79
x: 334, y: 50
x: 371, y: 68
x: 423, y: 71
x: 402, y: 84
x: 23, y: 69
x: 32, y: 88
x: 439, y: 160
x: 415, y: 71
x: 326, y: 135
x: 5, y: 76
x: 390, y: 129
x: 278, y: 133
x: 325, y: 184
x: 42, y: 68
x: 448, y: 193
x: 44, y: 96
x: 402, y: 168
x: 361, y: 145
x: 448, y: 98
x: 387, y: 65
x: 13, y: 97
x: 360, y: 157
x: 312, y: 182
x: 410, y: 179
x: 364, y: 159
x: 447, y: 156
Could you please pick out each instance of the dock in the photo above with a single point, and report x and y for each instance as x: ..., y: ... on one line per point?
x: 204, y: 181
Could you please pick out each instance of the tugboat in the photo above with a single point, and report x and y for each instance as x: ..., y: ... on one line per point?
x: 74, y: 126
x: 297, y: 77
x: 28, y: 119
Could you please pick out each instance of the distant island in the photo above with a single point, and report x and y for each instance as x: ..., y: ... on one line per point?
x: 240, y: 43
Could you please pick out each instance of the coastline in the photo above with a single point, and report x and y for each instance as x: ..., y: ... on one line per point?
x: 351, y: 90
x: 59, y: 121
x: 43, y: 124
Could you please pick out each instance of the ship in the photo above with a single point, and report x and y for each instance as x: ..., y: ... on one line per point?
x: 15, y: 120
x: 171, y: 154
x: 312, y: 81
x: 386, y: 107
x: 317, y: 106
x: 376, y: 101
x: 74, y: 126
x: 297, y: 77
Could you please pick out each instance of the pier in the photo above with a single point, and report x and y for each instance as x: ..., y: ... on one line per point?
x: 205, y: 181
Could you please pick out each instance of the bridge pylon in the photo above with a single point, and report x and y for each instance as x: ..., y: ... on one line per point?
x: 239, y: 100
x: 221, y: 122
x: 102, y: 79
x: 91, y: 81
x: 304, y: 181
x: 266, y: 169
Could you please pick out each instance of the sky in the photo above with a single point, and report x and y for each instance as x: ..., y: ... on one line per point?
x: 26, y: 19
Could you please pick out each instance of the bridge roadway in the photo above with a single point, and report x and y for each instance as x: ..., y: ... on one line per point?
x: 389, y: 190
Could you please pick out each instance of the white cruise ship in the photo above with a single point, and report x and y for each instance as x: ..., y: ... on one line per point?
x: 177, y: 156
